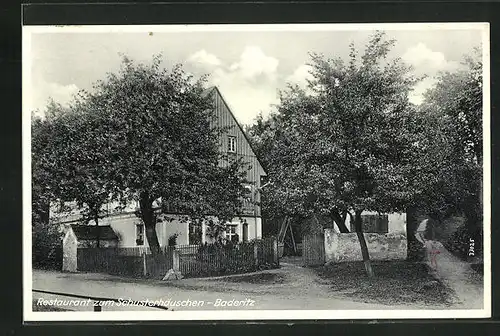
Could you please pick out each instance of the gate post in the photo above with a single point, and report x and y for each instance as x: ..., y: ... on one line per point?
x: 256, y: 253
x: 175, y: 260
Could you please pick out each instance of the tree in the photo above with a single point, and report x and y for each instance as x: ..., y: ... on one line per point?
x: 42, y: 161
x: 457, y: 99
x: 45, y: 238
x: 450, y: 148
x: 68, y: 158
x: 343, y: 145
x: 162, y: 145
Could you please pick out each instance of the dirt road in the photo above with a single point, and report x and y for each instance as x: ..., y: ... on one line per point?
x: 458, y: 275
x: 291, y: 287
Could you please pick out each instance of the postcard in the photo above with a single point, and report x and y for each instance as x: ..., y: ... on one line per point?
x: 256, y: 172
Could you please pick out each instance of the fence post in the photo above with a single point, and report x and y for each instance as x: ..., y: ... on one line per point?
x: 144, y: 264
x: 175, y: 260
x: 256, y: 253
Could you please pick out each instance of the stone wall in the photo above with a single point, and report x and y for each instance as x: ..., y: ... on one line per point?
x: 340, y: 247
x: 70, y: 244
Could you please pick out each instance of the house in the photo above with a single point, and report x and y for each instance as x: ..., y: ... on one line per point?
x: 77, y: 236
x: 234, y: 142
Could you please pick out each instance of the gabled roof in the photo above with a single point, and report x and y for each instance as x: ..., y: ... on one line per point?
x: 89, y: 232
x: 207, y: 91
x: 215, y: 89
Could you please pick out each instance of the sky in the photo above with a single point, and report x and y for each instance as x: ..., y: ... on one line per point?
x: 249, y: 67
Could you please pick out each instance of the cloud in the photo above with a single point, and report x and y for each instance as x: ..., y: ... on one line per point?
x: 44, y: 91
x: 246, y: 98
x: 417, y: 95
x: 253, y: 63
x: 203, y: 57
x: 426, y: 61
x: 248, y: 103
x: 301, y: 75
x: 249, y: 85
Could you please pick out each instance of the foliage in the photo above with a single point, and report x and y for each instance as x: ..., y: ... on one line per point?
x: 172, y: 240
x: 459, y: 243
x: 46, y: 245
x: 49, y: 162
x: 66, y: 158
x: 451, y: 144
x: 458, y: 95
x: 344, y: 144
x: 145, y: 135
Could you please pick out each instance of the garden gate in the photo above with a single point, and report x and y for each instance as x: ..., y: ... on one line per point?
x: 313, y: 253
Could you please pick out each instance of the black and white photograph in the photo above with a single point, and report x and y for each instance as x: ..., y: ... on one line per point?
x: 256, y: 172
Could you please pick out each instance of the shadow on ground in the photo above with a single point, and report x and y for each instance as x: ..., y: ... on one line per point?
x: 395, y: 282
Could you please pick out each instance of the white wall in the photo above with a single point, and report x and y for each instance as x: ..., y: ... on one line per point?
x: 69, y: 252
x: 340, y: 247
x: 254, y: 228
x: 173, y: 227
x: 125, y: 228
x: 397, y: 222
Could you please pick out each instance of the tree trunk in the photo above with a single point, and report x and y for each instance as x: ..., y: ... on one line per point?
x: 97, y: 240
x: 340, y: 221
x: 414, y: 246
x: 148, y: 216
x: 362, y: 242
x: 152, y: 238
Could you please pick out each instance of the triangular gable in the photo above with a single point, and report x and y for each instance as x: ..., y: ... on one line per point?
x: 226, y: 118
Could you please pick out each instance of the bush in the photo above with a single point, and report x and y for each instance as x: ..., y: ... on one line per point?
x: 459, y: 242
x: 46, y: 246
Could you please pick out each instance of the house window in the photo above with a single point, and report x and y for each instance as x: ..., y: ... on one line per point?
x: 231, y: 234
x: 248, y: 192
x: 231, y: 144
x: 139, y: 234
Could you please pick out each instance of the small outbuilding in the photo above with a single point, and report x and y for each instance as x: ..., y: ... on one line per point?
x: 85, y: 236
